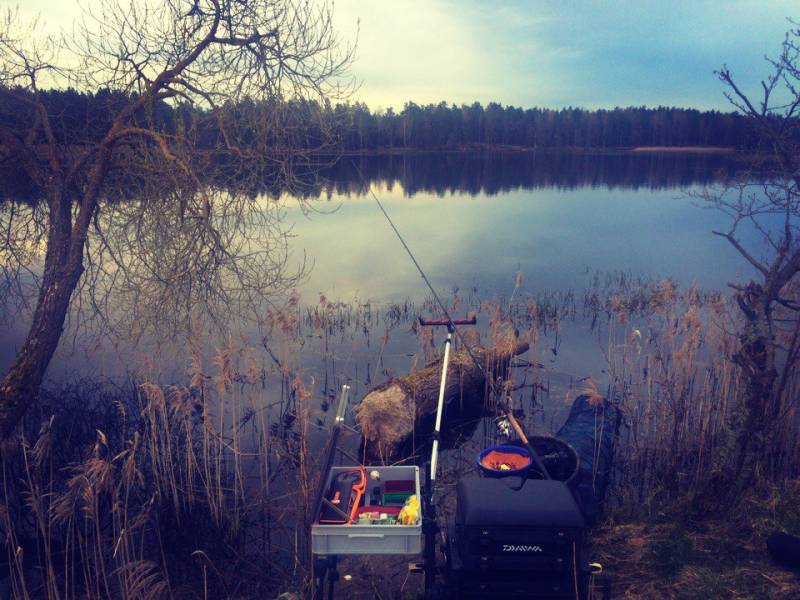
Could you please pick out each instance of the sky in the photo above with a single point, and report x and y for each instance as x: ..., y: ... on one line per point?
x: 563, y: 53
x: 591, y: 54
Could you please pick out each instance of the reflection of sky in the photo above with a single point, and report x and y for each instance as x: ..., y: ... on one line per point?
x: 551, y: 236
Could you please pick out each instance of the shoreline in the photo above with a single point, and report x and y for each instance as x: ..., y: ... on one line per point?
x: 686, y: 149
x: 506, y: 149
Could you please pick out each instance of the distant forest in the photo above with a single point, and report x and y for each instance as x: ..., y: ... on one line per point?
x: 354, y: 127
x: 449, y: 126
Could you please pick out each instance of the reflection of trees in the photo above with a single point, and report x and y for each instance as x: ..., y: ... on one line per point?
x: 492, y: 173
x: 128, y: 198
x: 157, y: 258
x: 152, y: 269
x: 24, y: 233
x: 161, y: 260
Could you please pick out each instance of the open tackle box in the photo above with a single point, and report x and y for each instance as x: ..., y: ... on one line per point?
x: 337, y: 526
x: 385, y: 492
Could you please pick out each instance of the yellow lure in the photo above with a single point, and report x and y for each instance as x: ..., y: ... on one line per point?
x: 409, y: 514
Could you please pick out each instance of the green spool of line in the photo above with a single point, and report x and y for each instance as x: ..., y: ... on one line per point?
x: 398, y: 498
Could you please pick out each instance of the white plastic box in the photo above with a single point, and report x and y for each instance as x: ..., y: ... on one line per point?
x: 370, y: 539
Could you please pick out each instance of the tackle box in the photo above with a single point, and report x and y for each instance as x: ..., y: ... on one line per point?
x: 335, y: 539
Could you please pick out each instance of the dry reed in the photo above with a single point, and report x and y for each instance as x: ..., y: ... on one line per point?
x: 202, y: 489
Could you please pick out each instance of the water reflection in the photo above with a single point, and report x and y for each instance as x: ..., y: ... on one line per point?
x: 473, y: 221
x: 489, y: 173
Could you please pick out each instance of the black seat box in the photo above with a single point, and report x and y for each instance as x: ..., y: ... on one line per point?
x: 517, y: 586
x: 511, y: 524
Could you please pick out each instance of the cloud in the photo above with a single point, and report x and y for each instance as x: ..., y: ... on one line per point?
x: 546, y: 53
x: 592, y: 54
x: 413, y: 51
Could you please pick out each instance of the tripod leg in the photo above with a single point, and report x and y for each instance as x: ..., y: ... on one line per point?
x: 324, y: 572
x: 333, y: 576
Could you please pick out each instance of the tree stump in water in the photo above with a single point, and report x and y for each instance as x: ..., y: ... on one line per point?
x: 390, y: 413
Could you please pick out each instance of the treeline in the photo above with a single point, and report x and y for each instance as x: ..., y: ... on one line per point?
x: 78, y: 118
x: 450, y: 126
x: 301, y: 125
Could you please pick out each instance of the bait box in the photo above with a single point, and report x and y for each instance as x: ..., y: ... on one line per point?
x: 335, y: 539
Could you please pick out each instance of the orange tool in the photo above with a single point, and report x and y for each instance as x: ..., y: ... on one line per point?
x: 344, y: 497
x: 359, y: 488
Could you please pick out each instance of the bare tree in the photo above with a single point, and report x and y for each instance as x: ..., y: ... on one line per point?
x: 159, y: 206
x: 764, y: 205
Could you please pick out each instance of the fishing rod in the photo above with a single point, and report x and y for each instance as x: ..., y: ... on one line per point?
x: 331, y: 454
x: 326, y: 568
x: 452, y: 329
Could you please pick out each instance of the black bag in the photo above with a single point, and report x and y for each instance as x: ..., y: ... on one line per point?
x: 591, y: 430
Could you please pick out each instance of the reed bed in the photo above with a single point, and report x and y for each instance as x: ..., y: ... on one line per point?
x: 160, y: 491
x: 202, y: 489
x: 671, y: 371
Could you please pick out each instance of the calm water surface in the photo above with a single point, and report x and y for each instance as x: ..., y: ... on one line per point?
x: 473, y: 221
x: 480, y: 220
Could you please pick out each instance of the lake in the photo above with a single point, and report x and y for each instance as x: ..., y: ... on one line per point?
x: 474, y: 222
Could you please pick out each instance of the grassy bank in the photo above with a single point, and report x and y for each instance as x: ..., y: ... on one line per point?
x: 672, y: 551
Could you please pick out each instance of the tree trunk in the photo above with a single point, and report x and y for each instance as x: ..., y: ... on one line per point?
x: 63, y: 267
x: 756, y: 357
x: 389, y: 414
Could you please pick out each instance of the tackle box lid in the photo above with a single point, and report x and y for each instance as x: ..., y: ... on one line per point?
x: 496, y: 502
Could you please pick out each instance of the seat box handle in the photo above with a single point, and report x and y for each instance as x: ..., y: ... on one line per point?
x: 365, y: 535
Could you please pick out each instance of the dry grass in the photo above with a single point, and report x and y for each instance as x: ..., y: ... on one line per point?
x: 147, y: 496
x: 201, y: 489
x: 675, y: 554
x: 674, y: 533
x: 196, y: 489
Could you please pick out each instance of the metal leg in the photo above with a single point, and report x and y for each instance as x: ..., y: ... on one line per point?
x: 325, y: 571
x: 429, y: 526
x: 439, y: 409
x: 429, y: 530
x: 333, y: 576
